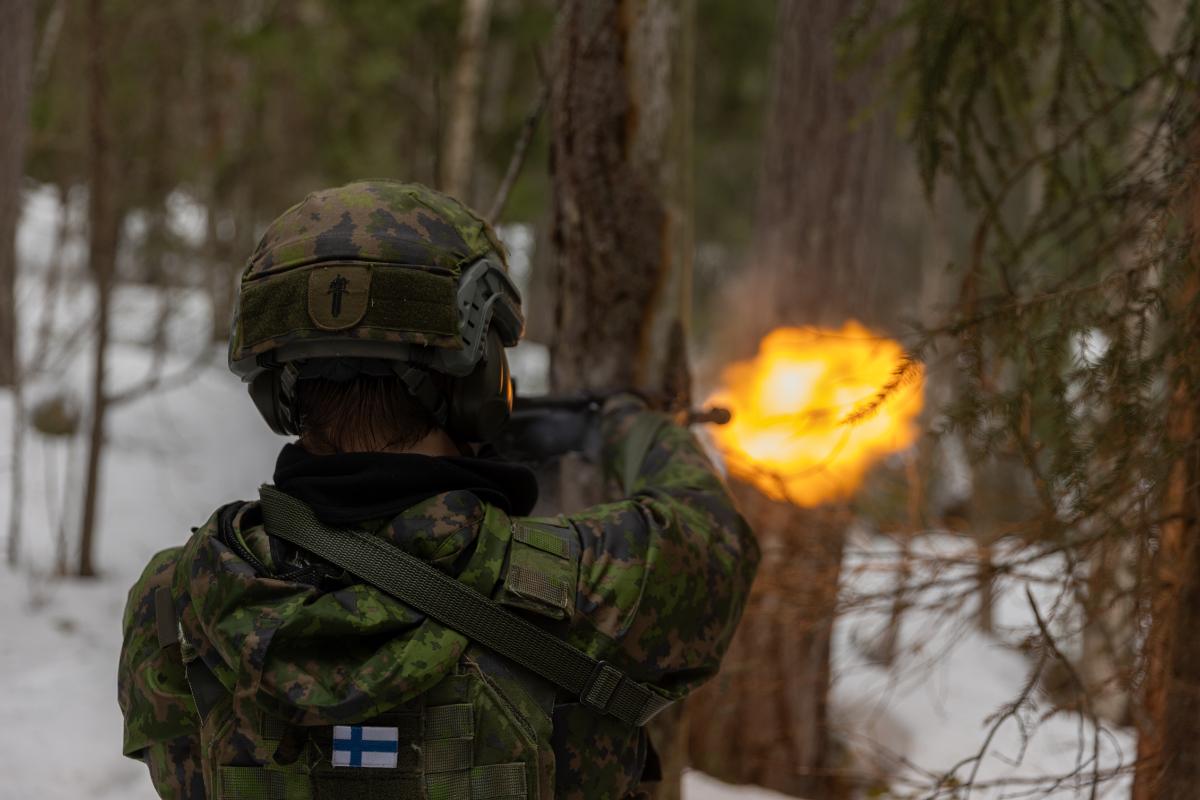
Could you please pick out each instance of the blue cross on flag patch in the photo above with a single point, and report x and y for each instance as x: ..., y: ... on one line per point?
x: 365, y: 746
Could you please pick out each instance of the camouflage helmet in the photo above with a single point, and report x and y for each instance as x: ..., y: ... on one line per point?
x: 374, y: 271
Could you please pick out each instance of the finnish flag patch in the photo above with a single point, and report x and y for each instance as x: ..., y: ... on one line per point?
x: 365, y: 746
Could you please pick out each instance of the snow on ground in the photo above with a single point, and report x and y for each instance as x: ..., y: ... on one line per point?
x: 932, y: 708
x: 176, y: 454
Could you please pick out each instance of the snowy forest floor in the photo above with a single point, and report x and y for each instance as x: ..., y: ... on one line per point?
x: 177, y: 453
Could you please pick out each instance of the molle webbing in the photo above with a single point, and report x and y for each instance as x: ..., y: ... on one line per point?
x: 598, y: 685
x: 436, y: 763
x: 450, y: 722
x: 493, y: 781
x: 402, y: 299
x: 540, y: 539
x: 256, y: 783
x: 542, y: 571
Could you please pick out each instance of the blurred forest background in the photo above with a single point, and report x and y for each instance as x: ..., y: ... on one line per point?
x: 1006, y: 188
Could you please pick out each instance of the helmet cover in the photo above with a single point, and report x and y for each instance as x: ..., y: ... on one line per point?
x: 378, y: 269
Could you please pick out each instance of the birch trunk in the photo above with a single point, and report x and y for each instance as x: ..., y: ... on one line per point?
x: 465, y: 101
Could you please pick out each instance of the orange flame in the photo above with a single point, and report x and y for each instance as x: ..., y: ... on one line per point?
x: 815, y: 409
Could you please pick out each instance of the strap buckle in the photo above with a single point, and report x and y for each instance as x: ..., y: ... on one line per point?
x: 601, y: 686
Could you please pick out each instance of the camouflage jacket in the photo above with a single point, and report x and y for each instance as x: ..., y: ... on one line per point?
x: 660, y: 582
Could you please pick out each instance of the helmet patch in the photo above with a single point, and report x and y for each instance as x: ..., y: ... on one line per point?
x: 338, y: 296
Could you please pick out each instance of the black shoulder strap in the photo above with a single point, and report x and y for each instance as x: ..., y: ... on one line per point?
x: 598, y: 684
x: 205, y: 688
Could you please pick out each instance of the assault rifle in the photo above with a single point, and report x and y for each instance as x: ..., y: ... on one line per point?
x: 546, y: 427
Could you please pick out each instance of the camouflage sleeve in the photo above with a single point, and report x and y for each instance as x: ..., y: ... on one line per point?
x: 161, y: 727
x: 664, y: 575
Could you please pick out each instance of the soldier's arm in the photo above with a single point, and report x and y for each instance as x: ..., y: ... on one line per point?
x: 161, y: 725
x: 664, y: 574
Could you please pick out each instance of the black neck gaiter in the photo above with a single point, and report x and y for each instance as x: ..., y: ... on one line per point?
x: 347, y: 488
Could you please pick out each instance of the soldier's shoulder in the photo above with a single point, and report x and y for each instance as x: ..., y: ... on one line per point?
x: 152, y: 690
x: 158, y: 573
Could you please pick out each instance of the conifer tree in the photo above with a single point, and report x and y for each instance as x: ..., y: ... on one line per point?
x: 1070, y: 128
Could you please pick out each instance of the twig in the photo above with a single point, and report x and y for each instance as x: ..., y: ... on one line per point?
x: 1049, y: 643
x: 16, y: 496
x: 160, y: 382
x: 51, y: 286
x: 51, y: 34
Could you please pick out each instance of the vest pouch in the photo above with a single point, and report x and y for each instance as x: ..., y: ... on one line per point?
x: 347, y: 761
x: 479, y: 741
x: 239, y: 744
x: 459, y: 741
x: 543, y: 569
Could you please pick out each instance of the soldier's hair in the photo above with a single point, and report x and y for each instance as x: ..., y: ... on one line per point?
x: 364, y: 414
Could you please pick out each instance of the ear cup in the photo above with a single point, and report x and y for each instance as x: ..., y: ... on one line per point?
x: 267, y: 394
x: 481, y: 402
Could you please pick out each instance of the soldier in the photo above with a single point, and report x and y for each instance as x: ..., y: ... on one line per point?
x: 386, y: 621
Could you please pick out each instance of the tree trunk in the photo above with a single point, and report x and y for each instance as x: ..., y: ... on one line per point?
x: 822, y: 249
x: 763, y: 719
x: 621, y: 116
x: 621, y: 226
x: 464, y: 100
x: 104, y: 224
x: 16, y: 63
x: 1168, y: 766
x: 817, y: 256
x: 16, y: 57
x: 226, y: 113
x: 16, y: 480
